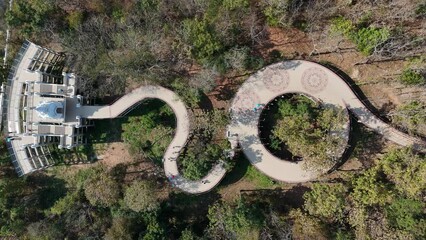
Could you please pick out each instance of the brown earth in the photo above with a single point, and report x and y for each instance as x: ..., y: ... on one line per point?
x: 115, y: 153
x: 376, y: 80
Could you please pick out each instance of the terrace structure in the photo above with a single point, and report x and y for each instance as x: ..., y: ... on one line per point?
x: 38, y: 108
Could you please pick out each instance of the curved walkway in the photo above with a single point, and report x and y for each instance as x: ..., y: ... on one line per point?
x: 296, y: 77
x: 286, y: 77
x: 178, y: 142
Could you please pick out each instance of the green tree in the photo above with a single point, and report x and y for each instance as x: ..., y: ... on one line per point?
x: 326, y: 201
x: 141, y: 196
x: 191, y: 96
x: 63, y: 204
x: 75, y: 19
x: 369, y: 189
x: 277, y: 12
x: 306, y: 130
x: 149, y: 134
x: 154, y: 230
x: 102, y: 190
x: 234, y: 222
x: 411, y: 116
x: 201, y: 38
x: 408, y: 215
x: 307, y: 227
x: 119, y: 230
x: 406, y: 170
x: 85, y: 221
x: 367, y: 39
x: 30, y: 17
x: 187, y: 234
x: 4, y: 153
x: 199, y: 159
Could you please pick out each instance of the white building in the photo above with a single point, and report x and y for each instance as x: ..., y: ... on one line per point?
x: 40, y: 108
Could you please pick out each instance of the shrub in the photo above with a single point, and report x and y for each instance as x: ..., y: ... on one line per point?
x: 145, y: 135
x: 411, y: 116
x: 275, y: 12
x: 285, y: 13
x: 188, y: 235
x: 421, y: 10
x: 199, y: 159
x: 118, y: 15
x: 98, y: 6
x: 327, y: 201
x: 149, y: 5
x: 366, y: 39
x: 191, y: 96
x: 102, y: 190
x: 412, y: 77
x: 141, y: 196
x: 202, y: 39
x: 405, y: 214
x: 342, y: 25
x: 75, y: 19
x: 234, y: 4
x: 236, y: 58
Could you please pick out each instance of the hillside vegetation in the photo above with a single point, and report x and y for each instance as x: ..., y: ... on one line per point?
x: 203, y: 50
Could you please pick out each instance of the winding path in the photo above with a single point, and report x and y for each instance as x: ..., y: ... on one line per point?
x: 306, y: 78
x: 179, y: 141
x: 285, y: 77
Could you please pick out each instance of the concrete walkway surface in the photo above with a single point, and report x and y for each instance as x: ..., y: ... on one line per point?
x: 179, y: 140
x: 296, y: 76
x: 310, y: 79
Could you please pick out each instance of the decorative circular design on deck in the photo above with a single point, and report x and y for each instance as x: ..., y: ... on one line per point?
x: 245, y: 101
x: 276, y: 81
x: 314, y: 80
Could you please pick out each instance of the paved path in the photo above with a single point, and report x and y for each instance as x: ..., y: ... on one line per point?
x: 181, y: 136
x: 302, y: 77
x: 306, y: 78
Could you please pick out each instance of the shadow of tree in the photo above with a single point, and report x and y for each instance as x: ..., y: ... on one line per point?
x: 224, y: 93
x: 183, y: 211
x: 205, y: 103
x: 49, y: 189
x: 238, y: 172
x: 279, y: 199
x: 365, y: 144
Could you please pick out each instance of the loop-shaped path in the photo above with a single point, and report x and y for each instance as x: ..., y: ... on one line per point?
x: 306, y: 78
x: 285, y: 77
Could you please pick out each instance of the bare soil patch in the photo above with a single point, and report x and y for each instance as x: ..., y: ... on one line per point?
x: 115, y: 153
